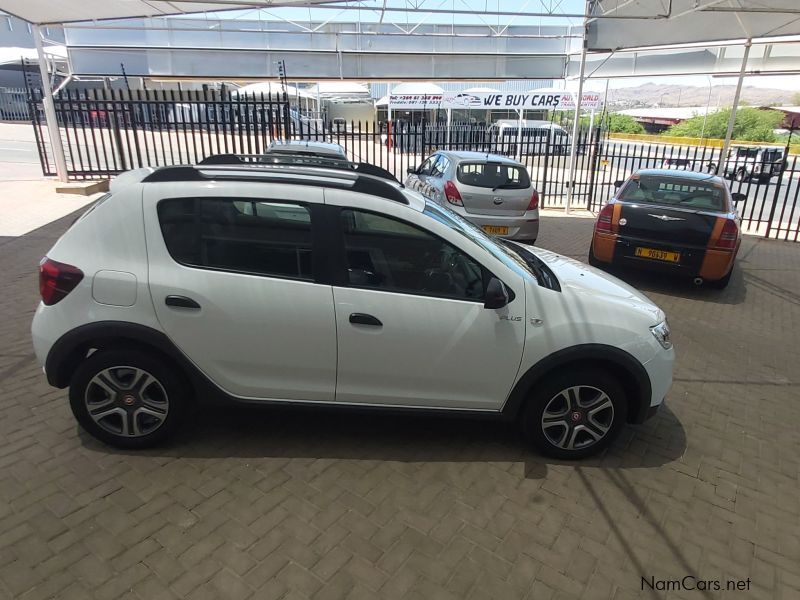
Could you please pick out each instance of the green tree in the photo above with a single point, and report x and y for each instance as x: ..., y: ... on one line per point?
x: 752, y: 125
x: 617, y: 123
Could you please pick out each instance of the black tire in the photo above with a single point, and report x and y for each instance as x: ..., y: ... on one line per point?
x: 721, y: 284
x: 712, y: 168
x: 155, y: 410
x: 741, y: 175
x: 594, y: 384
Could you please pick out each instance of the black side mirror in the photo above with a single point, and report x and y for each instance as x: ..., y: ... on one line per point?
x: 738, y: 197
x: 411, y: 170
x: 496, y: 294
x: 618, y: 184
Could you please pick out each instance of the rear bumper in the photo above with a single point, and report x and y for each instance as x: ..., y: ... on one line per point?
x: 523, y: 227
x: 694, y: 262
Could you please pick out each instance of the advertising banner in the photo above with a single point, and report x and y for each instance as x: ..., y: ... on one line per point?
x: 547, y: 100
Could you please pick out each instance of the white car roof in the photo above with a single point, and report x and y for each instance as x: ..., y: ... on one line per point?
x: 326, y: 148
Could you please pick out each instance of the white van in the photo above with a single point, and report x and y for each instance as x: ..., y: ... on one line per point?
x: 538, y: 137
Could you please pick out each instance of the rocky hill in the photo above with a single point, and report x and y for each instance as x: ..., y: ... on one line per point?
x: 652, y: 94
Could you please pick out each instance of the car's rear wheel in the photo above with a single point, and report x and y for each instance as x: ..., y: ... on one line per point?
x: 127, y: 398
x: 575, y: 413
x: 741, y: 175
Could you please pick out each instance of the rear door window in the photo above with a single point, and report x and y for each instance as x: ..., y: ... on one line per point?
x: 246, y: 236
x: 493, y: 175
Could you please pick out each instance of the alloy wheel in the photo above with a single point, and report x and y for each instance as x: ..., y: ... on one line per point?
x: 577, y: 417
x: 126, y: 401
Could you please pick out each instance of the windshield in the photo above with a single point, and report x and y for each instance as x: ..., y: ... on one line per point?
x: 674, y: 191
x: 524, y: 263
x: 493, y: 175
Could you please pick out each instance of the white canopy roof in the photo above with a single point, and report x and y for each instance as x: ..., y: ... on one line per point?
x: 270, y: 88
x: 417, y: 87
x: 659, y: 23
x: 68, y: 11
x: 12, y: 54
x: 338, y: 88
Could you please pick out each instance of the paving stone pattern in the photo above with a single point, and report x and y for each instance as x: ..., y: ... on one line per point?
x: 280, y: 504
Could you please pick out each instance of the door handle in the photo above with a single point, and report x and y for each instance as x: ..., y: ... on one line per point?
x: 365, y: 319
x: 181, y: 302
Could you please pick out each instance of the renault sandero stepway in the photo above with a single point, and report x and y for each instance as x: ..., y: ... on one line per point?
x: 286, y: 284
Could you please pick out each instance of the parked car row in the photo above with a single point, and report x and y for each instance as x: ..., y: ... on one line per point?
x: 302, y: 279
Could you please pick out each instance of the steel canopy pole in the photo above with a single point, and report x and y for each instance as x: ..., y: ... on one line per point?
x: 49, y: 109
x: 732, y: 119
x: 573, y: 154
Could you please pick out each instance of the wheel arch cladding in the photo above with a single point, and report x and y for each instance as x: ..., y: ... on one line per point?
x: 73, y: 347
x: 630, y: 372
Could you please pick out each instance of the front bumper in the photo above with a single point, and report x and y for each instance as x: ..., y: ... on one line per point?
x: 523, y: 227
x: 659, y: 370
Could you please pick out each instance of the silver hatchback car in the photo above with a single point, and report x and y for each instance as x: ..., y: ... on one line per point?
x: 493, y: 192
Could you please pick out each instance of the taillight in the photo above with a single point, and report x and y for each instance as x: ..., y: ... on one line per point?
x: 451, y: 193
x: 56, y: 280
x: 534, y: 203
x: 730, y: 233
x: 603, y: 224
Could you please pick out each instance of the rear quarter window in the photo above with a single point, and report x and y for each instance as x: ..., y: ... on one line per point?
x: 493, y: 175
x: 244, y: 236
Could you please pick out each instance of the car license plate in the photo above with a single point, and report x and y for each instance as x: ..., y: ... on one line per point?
x: 495, y: 230
x: 658, y: 254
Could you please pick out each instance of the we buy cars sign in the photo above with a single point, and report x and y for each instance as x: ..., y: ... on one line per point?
x: 547, y: 100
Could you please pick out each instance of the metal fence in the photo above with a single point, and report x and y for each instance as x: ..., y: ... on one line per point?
x: 14, y: 104
x: 106, y: 132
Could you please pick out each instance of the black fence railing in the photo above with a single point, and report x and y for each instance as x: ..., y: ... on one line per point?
x: 14, y: 104
x: 769, y: 178
x: 106, y: 132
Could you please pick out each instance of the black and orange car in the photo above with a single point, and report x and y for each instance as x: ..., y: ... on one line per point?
x: 674, y: 221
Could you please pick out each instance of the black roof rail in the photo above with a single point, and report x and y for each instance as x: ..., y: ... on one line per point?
x: 357, y: 182
x: 301, y: 159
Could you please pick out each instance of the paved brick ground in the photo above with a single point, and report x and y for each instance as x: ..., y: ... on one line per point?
x: 281, y: 505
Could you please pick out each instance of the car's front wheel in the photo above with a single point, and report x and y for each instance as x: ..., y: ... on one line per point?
x: 127, y: 398
x: 575, y: 413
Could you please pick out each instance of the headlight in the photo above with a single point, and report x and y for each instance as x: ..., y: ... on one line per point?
x: 661, y: 333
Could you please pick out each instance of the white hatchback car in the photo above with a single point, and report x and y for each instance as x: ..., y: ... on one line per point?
x: 494, y: 192
x: 279, y: 284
